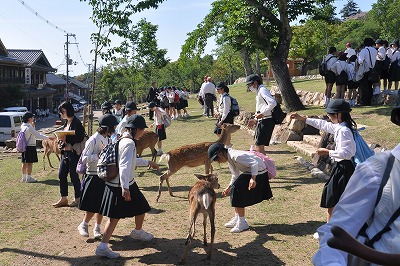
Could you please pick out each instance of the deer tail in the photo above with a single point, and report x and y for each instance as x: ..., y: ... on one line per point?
x: 207, y: 200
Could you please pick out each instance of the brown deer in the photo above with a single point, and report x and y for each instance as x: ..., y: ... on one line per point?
x: 191, y: 155
x: 343, y: 241
x: 50, y: 146
x: 149, y: 139
x: 202, y: 199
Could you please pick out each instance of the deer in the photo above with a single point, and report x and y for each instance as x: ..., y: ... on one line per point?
x: 50, y: 146
x: 202, y: 198
x: 149, y: 139
x: 191, y: 155
x: 343, y: 241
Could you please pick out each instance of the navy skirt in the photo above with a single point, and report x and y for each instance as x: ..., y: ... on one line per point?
x: 242, y: 197
x: 29, y: 155
x: 92, y: 193
x: 334, y: 187
x: 113, y: 205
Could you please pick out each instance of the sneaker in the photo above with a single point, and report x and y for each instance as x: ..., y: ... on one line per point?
x: 97, y: 233
x: 83, y: 229
x: 141, y: 235
x: 23, y: 179
x: 30, y: 179
x: 187, y: 115
x: 107, y: 252
x: 159, y: 152
x: 315, y: 235
x: 232, y: 222
x: 239, y: 227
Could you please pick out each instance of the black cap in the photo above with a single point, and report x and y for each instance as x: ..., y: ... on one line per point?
x: 27, y: 115
x: 152, y: 104
x: 395, y: 115
x: 251, y: 78
x: 338, y: 106
x: 222, y: 85
x: 108, y: 120
x: 379, y: 41
x: 214, y: 150
x: 129, y: 106
x: 136, y: 121
x: 117, y: 102
x: 106, y: 105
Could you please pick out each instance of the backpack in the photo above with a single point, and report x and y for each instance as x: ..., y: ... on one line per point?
x: 81, y: 165
x: 164, y: 102
x: 21, y: 143
x: 269, y: 164
x: 323, y: 67
x: 166, y: 120
x: 363, y: 151
x: 277, y: 114
x: 342, y: 78
x: 176, y: 98
x: 386, y: 63
x: 107, y: 165
x: 235, y: 109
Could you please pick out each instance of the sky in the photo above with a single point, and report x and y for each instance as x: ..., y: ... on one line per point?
x: 22, y: 29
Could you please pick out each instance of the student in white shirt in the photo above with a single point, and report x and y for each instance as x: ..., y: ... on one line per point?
x: 367, y: 57
x: 93, y: 186
x: 342, y: 127
x: 159, y: 114
x: 130, y: 109
x: 30, y: 155
x: 224, y: 109
x: 184, y: 101
x: 394, y: 70
x: 357, y: 206
x: 349, y: 51
x: 249, y: 183
x: 341, y: 80
x: 122, y: 197
x: 330, y: 77
x: 352, y: 85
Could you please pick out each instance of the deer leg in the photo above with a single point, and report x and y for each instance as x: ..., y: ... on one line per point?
x: 44, y: 162
x: 162, y: 178
x: 48, y: 158
x: 204, y: 229
x: 212, y: 223
x: 208, y: 166
x: 189, y: 237
x: 169, y: 187
x: 58, y: 157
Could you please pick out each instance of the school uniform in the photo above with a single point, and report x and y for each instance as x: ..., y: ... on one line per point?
x: 92, y: 185
x: 184, y: 99
x: 158, y: 122
x: 343, y: 167
x: 330, y: 76
x: 265, y: 103
x: 367, y: 56
x: 30, y: 154
x: 337, y: 68
x: 113, y: 205
x: 243, y: 165
x: 380, y: 57
x: 394, y: 70
x: 224, y: 109
x: 351, y: 73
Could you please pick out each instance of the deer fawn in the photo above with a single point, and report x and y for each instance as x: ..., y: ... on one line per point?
x: 202, y: 199
x: 149, y: 139
x: 50, y: 146
x: 191, y: 155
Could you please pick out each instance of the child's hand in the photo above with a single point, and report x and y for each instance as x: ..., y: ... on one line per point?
x: 322, y: 151
x: 297, y: 117
x: 226, y: 191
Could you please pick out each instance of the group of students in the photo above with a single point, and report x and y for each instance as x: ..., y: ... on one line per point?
x: 361, y: 73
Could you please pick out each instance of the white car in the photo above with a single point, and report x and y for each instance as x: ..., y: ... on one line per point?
x: 10, y: 125
x: 76, y: 107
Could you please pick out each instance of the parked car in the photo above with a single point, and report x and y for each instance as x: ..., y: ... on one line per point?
x: 22, y: 109
x: 10, y: 125
x: 76, y: 107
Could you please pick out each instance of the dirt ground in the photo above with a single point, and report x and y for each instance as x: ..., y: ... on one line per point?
x: 35, y: 233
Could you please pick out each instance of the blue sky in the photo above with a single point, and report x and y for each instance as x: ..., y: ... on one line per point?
x: 21, y: 29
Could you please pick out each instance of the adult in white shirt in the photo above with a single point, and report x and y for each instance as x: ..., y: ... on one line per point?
x: 249, y: 182
x: 209, y: 94
x: 330, y: 76
x: 349, y: 51
x: 29, y: 156
x: 367, y: 57
x: 265, y: 103
x: 357, y: 206
x: 122, y: 197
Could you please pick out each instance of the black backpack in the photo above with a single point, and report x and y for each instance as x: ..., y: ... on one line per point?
x: 323, y: 68
x: 343, y: 77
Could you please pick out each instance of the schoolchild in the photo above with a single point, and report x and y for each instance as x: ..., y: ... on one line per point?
x: 330, y: 76
x: 118, y: 111
x: 337, y: 68
x: 224, y: 109
x: 342, y: 127
x: 93, y: 186
x: 184, y: 101
x: 122, y: 197
x: 29, y: 156
x: 352, y: 85
x: 394, y: 70
x: 69, y: 157
x: 159, y: 113
x: 249, y: 183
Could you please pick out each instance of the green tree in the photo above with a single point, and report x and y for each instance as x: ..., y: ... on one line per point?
x: 386, y: 14
x: 349, y: 9
x: 228, y: 66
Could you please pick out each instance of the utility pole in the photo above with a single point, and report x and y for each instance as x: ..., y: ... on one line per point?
x: 69, y: 62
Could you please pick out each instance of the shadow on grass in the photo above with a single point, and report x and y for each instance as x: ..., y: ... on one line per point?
x: 299, y: 229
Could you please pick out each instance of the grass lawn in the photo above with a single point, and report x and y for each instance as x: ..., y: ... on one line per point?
x: 34, y: 233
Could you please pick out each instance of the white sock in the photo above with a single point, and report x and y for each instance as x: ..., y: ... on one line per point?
x: 242, y: 219
x: 103, y: 245
x: 84, y: 223
x: 96, y: 225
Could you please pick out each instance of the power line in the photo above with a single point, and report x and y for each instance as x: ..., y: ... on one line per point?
x: 42, y: 18
x: 79, y: 52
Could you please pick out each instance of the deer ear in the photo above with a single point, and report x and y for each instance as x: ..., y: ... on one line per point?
x: 199, y: 176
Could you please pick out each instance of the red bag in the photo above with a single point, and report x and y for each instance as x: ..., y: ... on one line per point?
x: 176, y: 98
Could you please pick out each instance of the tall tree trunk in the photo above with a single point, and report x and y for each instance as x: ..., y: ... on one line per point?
x: 246, y: 61
x: 257, y: 68
x: 282, y: 77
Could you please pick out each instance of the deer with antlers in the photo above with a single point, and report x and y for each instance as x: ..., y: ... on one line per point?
x: 191, y: 155
x: 50, y: 146
x: 202, y: 198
